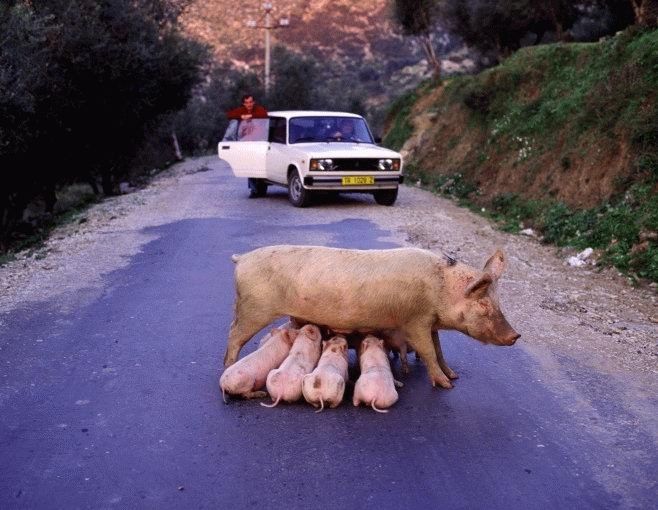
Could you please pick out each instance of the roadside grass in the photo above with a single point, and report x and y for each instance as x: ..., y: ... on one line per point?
x: 610, y: 87
x: 623, y: 231
x: 400, y: 128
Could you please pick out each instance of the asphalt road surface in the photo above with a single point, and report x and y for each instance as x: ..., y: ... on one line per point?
x: 115, y: 404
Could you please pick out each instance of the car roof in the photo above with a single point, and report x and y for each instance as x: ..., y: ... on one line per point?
x: 311, y: 113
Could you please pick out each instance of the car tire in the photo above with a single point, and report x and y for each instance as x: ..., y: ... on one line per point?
x: 297, y: 194
x: 386, y: 196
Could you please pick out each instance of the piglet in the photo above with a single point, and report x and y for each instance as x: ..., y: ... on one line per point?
x: 285, y: 383
x: 246, y: 377
x: 326, y: 384
x: 375, y: 386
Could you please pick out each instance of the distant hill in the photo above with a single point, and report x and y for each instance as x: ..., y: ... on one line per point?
x: 358, y: 36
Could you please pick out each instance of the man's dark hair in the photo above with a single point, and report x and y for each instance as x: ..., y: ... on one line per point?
x: 247, y: 96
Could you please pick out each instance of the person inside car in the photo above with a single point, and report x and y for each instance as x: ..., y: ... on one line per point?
x: 346, y: 131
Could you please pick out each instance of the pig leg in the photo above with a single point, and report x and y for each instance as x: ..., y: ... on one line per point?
x: 420, y: 338
x: 439, y: 356
x: 243, y: 328
x: 403, y: 358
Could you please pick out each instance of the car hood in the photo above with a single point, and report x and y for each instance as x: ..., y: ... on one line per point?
x: 346, y: 150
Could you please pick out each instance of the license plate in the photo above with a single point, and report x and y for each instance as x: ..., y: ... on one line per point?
x: 358, y: 180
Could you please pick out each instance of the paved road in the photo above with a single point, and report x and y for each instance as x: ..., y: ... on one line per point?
x: 116, y: 404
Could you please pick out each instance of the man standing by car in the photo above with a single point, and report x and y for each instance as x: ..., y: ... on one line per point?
x: 249, y: 110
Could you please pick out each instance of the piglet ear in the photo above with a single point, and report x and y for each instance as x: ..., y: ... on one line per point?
x: 496, y: 264
x: 478, y: 288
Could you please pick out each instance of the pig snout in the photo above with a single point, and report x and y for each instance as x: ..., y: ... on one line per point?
x: 505, y: 334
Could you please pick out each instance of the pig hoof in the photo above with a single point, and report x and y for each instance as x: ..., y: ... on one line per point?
x: 444, y: 383
x: 451, y: 374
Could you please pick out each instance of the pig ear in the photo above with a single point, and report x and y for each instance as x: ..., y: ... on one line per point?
x: 478, y: 288
x: 496, y: 264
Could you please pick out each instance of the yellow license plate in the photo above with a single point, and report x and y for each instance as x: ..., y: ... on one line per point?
x: 358, y: 180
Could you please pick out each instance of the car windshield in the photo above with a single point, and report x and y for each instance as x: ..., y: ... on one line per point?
x: 329, y: 129
x: 253, y: 130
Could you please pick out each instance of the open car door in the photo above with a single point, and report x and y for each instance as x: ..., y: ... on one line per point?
x: 244, y: 147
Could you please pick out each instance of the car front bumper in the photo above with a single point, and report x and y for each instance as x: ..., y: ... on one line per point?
x: 335, y: 183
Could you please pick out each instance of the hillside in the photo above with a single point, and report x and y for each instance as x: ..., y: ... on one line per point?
x: 357, y: 37
x: 562, y: 138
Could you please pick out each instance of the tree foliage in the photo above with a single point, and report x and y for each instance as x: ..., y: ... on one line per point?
x: 80, y: 81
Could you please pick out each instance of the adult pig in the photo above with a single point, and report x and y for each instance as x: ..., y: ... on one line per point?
x: 247, y: 377
x: 326, y: 384
x: 285, y: 382
x: 415, y: 291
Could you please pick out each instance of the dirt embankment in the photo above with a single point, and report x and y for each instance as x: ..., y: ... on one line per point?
x: 447, y: 141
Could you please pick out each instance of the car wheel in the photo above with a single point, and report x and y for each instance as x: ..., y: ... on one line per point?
x: 257, y: 188
x: 386, y: 196
x: 297, y: 194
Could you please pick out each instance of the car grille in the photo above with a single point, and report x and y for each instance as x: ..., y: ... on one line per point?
x: 356, y: 164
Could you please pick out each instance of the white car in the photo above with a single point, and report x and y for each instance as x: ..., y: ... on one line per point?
x: 308, y: 151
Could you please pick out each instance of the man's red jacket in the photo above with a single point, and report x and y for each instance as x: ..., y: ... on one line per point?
x: 257, y: 112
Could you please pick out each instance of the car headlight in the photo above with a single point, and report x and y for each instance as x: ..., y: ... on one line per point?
x: 388, y: 165
x: 322, y: 164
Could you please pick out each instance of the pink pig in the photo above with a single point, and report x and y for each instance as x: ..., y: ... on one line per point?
x: 285, y: 382
x: 248, y: 375
x: 375, y: 386
x: 415, y: 291
x: 326, y: 384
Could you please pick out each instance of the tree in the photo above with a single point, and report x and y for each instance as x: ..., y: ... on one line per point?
x: 81, y: 82
x: 502, y: 26
x: 417, y: 18
x: 646, y: 12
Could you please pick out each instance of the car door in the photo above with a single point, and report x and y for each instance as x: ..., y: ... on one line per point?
x: 277, y: 158
x: 245, y: 147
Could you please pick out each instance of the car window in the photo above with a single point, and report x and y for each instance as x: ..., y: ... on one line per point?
x: 252, y: 130
x: 329, y: 129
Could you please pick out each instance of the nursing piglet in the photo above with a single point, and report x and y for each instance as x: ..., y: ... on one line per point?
x: 326, y: 384
x: 246, y: 377
x: 375, y: 386
x: 285, y: 382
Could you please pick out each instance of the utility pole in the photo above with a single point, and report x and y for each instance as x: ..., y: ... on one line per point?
x: 266, y: 24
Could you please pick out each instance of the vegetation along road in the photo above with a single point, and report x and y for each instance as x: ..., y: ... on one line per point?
x: 112, y: 335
